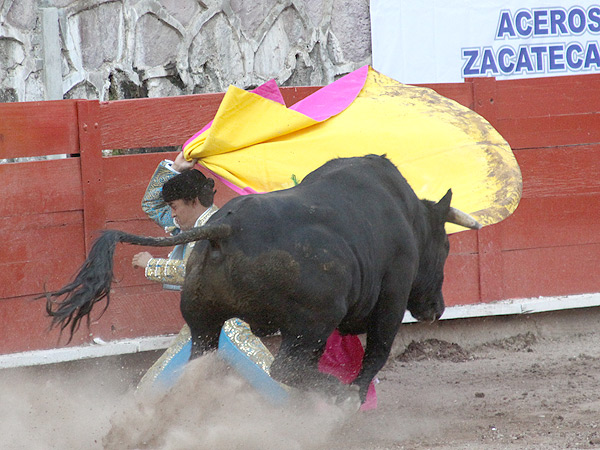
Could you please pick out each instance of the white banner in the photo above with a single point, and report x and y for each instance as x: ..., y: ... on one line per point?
x: 448, y: 40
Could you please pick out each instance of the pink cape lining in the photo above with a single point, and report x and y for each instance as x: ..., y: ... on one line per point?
x: 333, y: 98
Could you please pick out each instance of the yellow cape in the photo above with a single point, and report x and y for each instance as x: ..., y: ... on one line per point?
x: 260, y: 145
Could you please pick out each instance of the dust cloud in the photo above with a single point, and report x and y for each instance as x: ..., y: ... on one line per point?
x: 210, y: 408
x: 43, y: 409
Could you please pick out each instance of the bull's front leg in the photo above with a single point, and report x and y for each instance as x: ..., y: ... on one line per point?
x: 381, y: 332
x: 297, y: 365
x: 296, y: 362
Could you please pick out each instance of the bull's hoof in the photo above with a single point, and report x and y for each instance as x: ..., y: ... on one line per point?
x: 349, y: 400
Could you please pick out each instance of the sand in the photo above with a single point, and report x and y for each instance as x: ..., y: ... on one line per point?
x: 528, y: 390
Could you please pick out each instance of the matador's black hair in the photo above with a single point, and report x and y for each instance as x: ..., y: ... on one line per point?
x: 189, y: 185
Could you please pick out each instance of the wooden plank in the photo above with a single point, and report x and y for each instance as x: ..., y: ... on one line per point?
x: 38, y: 128
x: 126, y: 179
x: 155, y: 122
x: 560, y: 171
x: 141, y: 122
x: 139, y: 311
x: 133, y: 312
x: 550, y: 131
x: 526, y: 116
x: 551, y: 271
x: 461, y: 280
x: 491, y: 273
x: 25, y: 327
x: 463, y: 242
x: 490, y: 256
x: 32, y: 277
x: 551, y: 222
x: 292, y: 95
x: 541, y: 97
x: 32, y: 187
x: 26, y: 244
x: 46, y: 250
x: 459, y: 92
x: 92, y: 170
x: 484, y: 98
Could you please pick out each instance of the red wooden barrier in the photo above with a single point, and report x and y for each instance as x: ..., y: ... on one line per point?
x: 51, y: 210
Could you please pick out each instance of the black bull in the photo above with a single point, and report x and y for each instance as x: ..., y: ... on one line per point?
x: 351, y: 247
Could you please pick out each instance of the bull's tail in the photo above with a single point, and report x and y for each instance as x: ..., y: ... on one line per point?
x: 92, y: 283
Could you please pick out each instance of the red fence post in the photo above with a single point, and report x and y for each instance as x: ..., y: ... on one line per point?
x: 491, y: 273
x: 92, y: 179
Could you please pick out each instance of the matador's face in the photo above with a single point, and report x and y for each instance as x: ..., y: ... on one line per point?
x: 185, y: 212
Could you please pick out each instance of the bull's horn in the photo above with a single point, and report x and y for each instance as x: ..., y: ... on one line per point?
x: 462, y: 218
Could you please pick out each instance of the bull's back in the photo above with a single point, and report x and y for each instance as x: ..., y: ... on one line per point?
x: 363, y: 201
x: 373, y: 205
x: 343, y: 225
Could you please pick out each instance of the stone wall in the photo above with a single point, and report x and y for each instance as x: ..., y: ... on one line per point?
x: 115, y: 49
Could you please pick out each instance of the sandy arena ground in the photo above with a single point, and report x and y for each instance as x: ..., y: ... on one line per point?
x: 528, y: 382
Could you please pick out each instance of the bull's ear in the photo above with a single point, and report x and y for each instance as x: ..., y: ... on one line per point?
x: 453, y: 215
x: 444, y: 204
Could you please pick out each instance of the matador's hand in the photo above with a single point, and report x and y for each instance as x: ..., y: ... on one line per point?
x: 181, y: 164
x: 141, y: 259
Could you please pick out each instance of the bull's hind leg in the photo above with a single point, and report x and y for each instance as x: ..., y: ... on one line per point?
x: 204, y: 339
x: 205, y: 322
x: 205, y: 330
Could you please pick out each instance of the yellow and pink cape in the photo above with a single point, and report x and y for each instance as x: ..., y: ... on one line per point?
x: 257, y: 144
